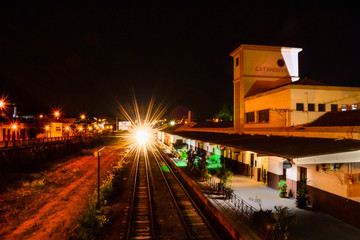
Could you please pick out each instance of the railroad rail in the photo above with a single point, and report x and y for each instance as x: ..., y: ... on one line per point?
x: 194, y: 222
x: 141, y: 218
x: 159, y: 206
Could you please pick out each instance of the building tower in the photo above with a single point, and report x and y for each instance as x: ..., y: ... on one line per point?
x: 260, y: 68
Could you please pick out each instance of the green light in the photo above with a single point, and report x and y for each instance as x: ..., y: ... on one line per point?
x: 165, y: 168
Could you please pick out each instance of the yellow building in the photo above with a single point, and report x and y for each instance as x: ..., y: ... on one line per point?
x: 269, y: 94
x: 297, y: 103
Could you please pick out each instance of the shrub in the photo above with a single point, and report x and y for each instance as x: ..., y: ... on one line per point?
x: 284, y: 218
x: 225, y: 176
x: 91, y: 222
x: 38, y: 183
x: 302, y: 198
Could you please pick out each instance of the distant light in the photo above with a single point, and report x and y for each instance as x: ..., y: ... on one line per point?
x: 14, y: 126
x: 56, y: 113
x: 47, y: 127
x: 172, y: 123
x: 89, y: 128
x: 41, y: 116
x: 67, y: 128
x: 82, y: 116
x: 80, y: 128
x: 2, y: 103
x: 111, y: 127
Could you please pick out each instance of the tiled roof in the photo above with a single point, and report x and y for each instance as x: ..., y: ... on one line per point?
x: 287, y: 147
x: 341, y: 118
x: 222, y: 124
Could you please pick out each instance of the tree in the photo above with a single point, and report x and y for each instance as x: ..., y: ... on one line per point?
x: 225, y: 113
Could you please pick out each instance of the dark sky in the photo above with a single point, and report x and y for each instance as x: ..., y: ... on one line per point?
x: 93, y: 55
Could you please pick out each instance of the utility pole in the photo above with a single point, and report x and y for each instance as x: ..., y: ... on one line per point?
x: 98, y: 200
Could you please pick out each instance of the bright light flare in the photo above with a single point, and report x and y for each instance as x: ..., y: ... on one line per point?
x: 142, y: 136
x: 3, y: 104
x: 56, y: 112
x: 14, y: 125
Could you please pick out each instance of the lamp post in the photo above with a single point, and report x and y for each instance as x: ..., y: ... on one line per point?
x: 14, y: 128
x: 47, y: 128
x: 3, y: 106
x: 98, y: 155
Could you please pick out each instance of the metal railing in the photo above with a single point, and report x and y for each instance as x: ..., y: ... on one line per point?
x: 234, y: 202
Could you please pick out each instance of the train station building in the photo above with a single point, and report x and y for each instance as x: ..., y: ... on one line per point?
x: 287, y: 128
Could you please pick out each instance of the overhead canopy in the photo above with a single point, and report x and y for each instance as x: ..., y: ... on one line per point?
x: 287, y: 147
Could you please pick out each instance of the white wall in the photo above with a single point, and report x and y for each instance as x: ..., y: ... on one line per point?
x: 319, y: 95
x: 329, y: 181
x: 292, y: 173
x: 275, y: 165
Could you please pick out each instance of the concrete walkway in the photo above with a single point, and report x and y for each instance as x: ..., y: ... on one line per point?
x: 311, y: 224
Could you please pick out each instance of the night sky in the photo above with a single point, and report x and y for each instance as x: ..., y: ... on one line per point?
x: 91, y: 56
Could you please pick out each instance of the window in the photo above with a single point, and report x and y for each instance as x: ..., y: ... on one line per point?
x: 58, y: 129
x: 250, y: 117
x: 343, y: 107
x: 321, y: 107
x: 311, y: 107
x: 263, y: 116
x: 237, y: 61
x: 299, y: 107
x: 334, y: 107
x: 354, y: 107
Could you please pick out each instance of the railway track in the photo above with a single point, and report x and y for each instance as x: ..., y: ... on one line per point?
x: 195, y: 223
x: 160, y: 207
x: 141, y: 218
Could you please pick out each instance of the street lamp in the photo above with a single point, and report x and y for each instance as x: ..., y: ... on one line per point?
x: 56, y: 114
x: 67, y: 129
x: 47, y: 128
x: 3, y: 106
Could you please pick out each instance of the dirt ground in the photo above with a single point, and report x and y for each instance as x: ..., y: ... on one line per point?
x: 49, y: 206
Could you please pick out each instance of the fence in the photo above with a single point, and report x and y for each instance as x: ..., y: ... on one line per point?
x: 40, y: 141
x: 237, y: 205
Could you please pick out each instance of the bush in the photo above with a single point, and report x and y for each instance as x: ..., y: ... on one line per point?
x: 38, y: 183
x: 225, y: 176
x: 302, y: 198
x: 263, y: 218
x: 284, y: 218
x: 91, y: 223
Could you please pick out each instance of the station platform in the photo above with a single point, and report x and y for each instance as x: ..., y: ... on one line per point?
x: 312, y: 224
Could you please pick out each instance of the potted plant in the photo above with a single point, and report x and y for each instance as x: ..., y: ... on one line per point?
x: 302, y: 198
x: 282, y: 188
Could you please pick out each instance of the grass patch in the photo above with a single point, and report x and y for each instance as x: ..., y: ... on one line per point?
x: 92, y: 219
x: 38, y: 183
